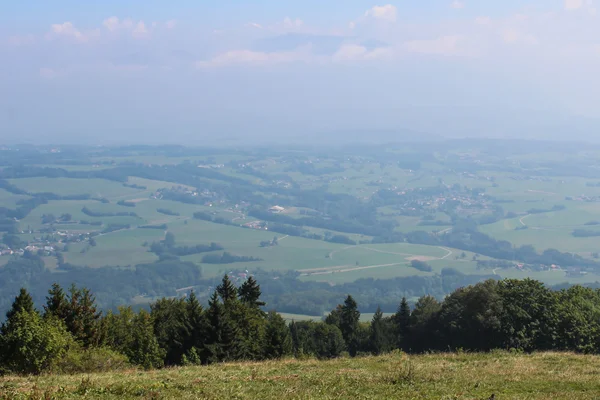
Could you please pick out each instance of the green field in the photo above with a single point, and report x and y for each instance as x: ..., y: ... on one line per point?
x: 551, y: 229
x: 74, y: 207
x: 120, y: 248
x: 364, y: 317
x: 361, y: 176
x: 10, y: 200
x: 69, y: 186
x: 396, y: 376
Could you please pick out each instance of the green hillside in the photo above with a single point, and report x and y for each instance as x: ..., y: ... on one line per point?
x: 395, y: 376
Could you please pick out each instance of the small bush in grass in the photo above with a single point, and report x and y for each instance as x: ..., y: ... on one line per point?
x: 79, y: 360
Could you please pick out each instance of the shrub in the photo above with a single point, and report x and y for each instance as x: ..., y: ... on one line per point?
x: 95, y: 359
x: 30, y: 344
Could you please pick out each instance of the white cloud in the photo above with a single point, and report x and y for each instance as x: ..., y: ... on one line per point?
x: 289, y: 23
x: 573, y: 4
x: 140, y: 30
x: 458, y: 4
x: 444, y: 45
x: 254, y: 25
x: 482, y: 20
x: 304, y: 54
x: 259, y: 58
x: 68, y: 30
x: 171, y: 24
x: 114, y: 24
x: 127, y: 23
x: 111, y: 23
x: 353, y: 52
x: 512, y: 35
x: 137, y: 30
x: 387, y: 13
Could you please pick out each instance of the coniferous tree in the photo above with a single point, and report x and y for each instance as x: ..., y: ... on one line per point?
x: 379, y: 337
x: 144, y: 349
x: 231, y: 345
x: 334, y: 316
x: 227, y: 290
x: 191, y: 357
x: 278, y: 341
x: 328, y: 340
x: 297, y: 345
x: 349, y: 325
x: 83, y: 318
x: 56, y: 303
x: 169, y: 240
x: 250, y: 319
x: 171, y: 327
x: 249, y: 293
x: 423, y: 321
x: 197, y: 328
x: 119, y: 329
x: 402, y: 324
x: 215, y: 316
x: 23, y: 302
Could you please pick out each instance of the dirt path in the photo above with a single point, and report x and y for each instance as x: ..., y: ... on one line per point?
x: 540, y: 191
x: 337, y: 251
x: 346, y: 268
x: 168, y: 220
x: 332, y: 270
x: 118, y: 230
x: 388, y: 252
x: 450, y: 252
x: 522, y: 218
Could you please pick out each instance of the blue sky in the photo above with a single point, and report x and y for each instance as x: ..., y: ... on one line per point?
x: 196, y: 71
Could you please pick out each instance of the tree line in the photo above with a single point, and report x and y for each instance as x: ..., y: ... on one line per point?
x: 70, y: 334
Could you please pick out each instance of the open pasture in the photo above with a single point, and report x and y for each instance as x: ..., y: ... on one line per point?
x: 74, y: 207
x: 120, y: 248
x: 10, y: 200
x: 100, y: 188
x: 551, y: 229
x: 313, y: 257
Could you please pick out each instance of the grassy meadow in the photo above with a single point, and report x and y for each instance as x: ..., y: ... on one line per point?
x: 541, y: 376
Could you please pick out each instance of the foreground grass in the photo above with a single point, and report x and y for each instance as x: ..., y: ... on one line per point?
x: 398, y: 376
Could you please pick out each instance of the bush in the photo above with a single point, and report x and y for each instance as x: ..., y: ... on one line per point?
x: 421, y: 266
x: 126, y: 203
x: 30, y: 344
x: 99, y: 359
x: 203, y: 216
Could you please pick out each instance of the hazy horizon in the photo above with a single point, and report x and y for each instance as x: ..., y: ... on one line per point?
x: 235, y: 71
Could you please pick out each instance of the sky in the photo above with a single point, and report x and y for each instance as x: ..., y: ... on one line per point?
x: 199, y: 72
